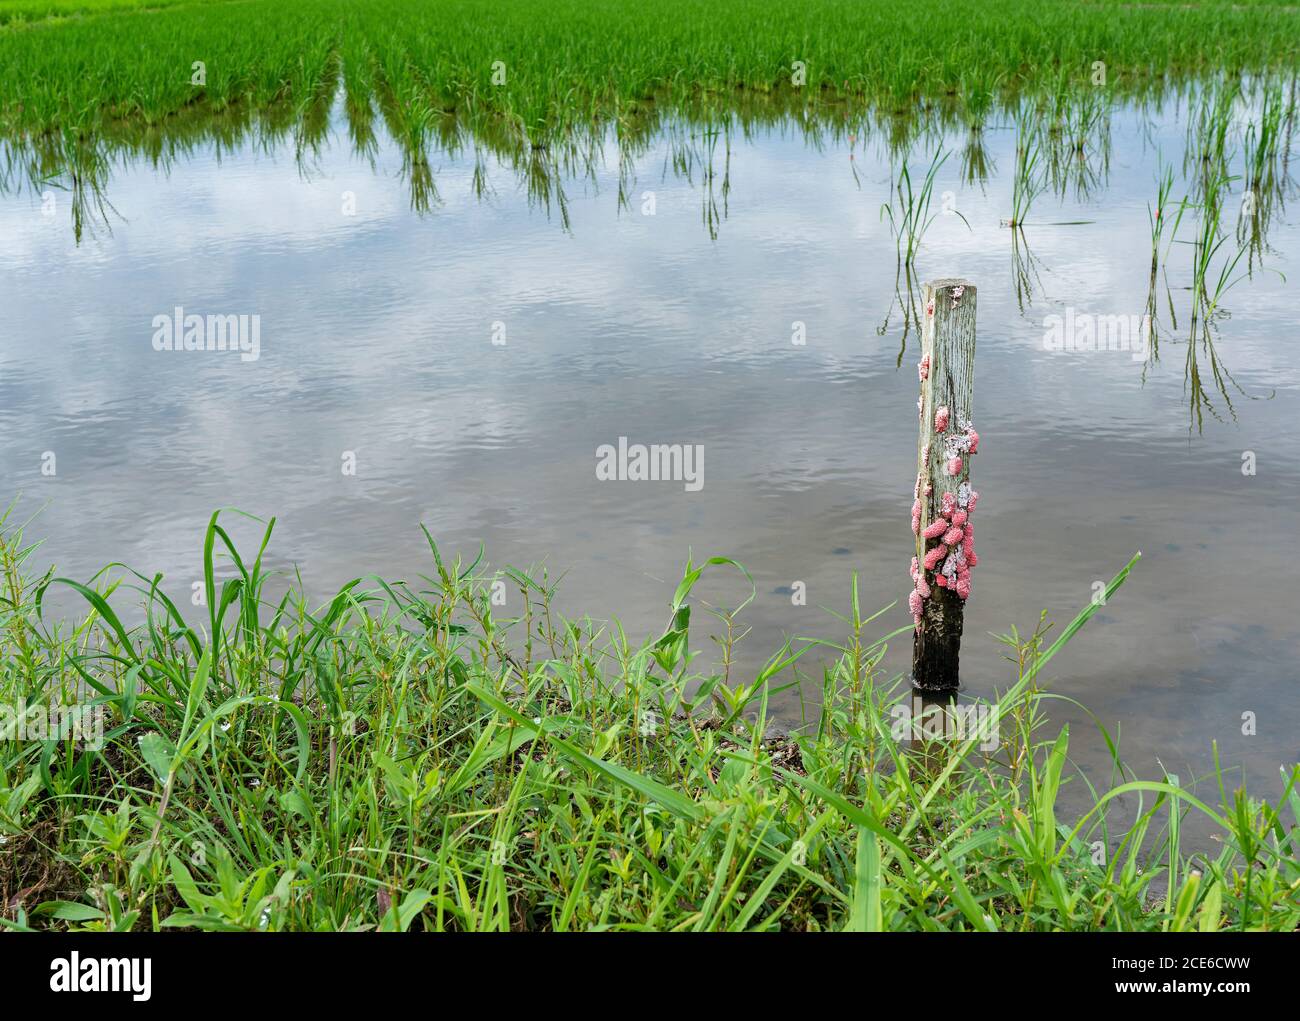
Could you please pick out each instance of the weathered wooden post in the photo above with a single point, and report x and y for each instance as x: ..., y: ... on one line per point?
x: 944, y: 500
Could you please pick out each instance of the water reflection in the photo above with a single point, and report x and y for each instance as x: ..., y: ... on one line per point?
x: 673, y: 323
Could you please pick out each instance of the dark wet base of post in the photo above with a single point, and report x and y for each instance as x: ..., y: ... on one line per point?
x: 936, y: 645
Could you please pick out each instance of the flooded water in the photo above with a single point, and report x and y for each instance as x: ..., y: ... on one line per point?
x: 462, y: 366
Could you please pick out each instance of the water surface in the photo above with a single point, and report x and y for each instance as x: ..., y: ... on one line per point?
x: 376, y: 334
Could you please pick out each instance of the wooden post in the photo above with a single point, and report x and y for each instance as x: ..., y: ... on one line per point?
x: 947, y: 441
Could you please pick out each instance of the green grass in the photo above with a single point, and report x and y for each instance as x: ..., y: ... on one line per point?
x: 401, y: 758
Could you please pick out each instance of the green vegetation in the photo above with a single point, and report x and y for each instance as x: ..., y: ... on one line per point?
x: 21, y: 12
x: 577, y: 64
x: 545, y: 95
x: 401, y: 759
x: 914, y: 216
x: 405, y: 757
x: 1027, y: 184
x: 1222, y: 116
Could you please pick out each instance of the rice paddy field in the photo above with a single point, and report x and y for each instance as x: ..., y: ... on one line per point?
x: 362, y: 622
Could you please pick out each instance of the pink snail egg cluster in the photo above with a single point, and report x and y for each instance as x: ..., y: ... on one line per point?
x: 946, y: 564
x: 949, y: 539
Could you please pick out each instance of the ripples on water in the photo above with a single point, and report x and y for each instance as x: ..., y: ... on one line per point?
x: 676, y: 328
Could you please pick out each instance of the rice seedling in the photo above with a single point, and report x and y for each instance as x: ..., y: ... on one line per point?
x: 581, y: 66
x: 1208, y: 152
x: 1086, y: 121
x: 976, y: 164
x: 979, y: 89
x: 1214, y: 271
x: 1076, y: 150
x: 457, y: 75
x: 1210, y: 283
x: 1028, y: 182
x: 1044, y: 158
x: 914, y: 217
x: 1264, y: 174
x: 1261, y: 142
x: 1158, y: 218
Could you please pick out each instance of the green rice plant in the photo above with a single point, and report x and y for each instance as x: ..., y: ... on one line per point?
x: 1262, y: 142
x: 1028, y: 183
x: 1086, y: 120
x: 1264, y: 173
x: 1211, y: 282
x: 976, y: 164
x: 1209, y: 152
x: 1075, y: 144
x: 1158, y: 218
x: 979, y: 88
x: 1212, y: 275
x: 502, y: 68
x: 914, y: 217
